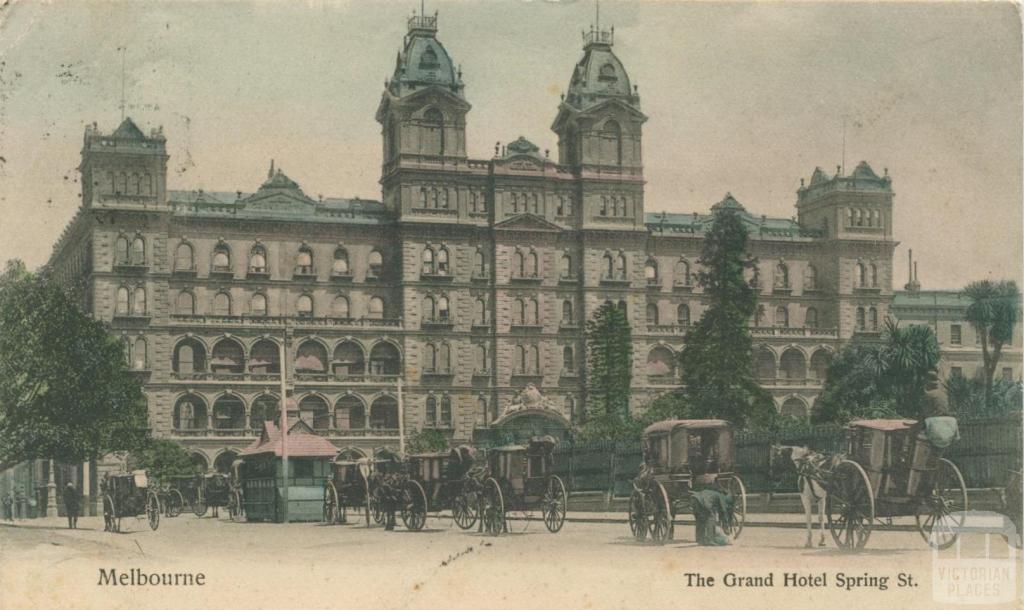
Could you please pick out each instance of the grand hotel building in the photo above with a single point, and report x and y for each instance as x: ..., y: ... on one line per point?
x: 471, y: 277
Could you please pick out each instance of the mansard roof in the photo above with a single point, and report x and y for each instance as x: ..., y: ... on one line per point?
x: 423, y: 61
x: 695, y: 223
x: 599, y: 75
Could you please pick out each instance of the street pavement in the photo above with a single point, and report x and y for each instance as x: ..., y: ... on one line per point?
x: 587, y: 565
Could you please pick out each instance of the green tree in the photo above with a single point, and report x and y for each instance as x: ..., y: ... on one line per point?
x: 65, y: 389
x: 162, y: 458
x: 993, y: 312
x: 887, y: 379
x: 609, y: 374
x: 716, y: 361
x: 427, y: 440
x: 968, y: 397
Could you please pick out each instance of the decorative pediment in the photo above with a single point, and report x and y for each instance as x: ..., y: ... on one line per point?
x: 279, y: 202
x: 527, y: 222
x: 530, y: 402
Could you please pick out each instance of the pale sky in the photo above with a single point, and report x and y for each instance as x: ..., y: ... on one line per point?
x: 745, y: 98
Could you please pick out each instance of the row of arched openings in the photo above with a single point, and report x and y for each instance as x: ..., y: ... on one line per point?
x: 792, y: 365
x: 228, y: 356
x: 230, y: 413
x: 184, y: 260
x: 223, y: 305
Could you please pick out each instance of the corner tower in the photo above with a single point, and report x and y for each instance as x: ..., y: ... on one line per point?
x: 422, y: 111
x: 125, y: 167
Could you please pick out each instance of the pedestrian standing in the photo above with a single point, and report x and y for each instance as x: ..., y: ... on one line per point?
x: 8, y: 507
x: 71, y: 505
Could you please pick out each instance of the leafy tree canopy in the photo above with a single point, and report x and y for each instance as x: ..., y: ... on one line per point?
x: 65, y: 390
x: 427, y: 440
x: 716, y: 361
x: 162, y: 458
x: 993, y: 312
x: 967, y: 397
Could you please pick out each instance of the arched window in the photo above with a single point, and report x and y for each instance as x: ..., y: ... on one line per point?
x: 877, y: 218
x: 570, y: 408
x: 340, y: 264
x: 604, y: 206
x: 609, y: 266
x: 532, y: 312
x: 652, y: 313
x: 430, y: 358
x: 444, y: 358
x: 442, y: 261
x: 376, y: 308
x: 190, y: 413
x: 349, y: 413
x: 765, y: 363
x: 376, y: 264
x: 446, y: 412
x: 183, y: 258
x: 682, y: 273
x: 185, y: 304
x: 480, y: 312
x: 781, y: 316
x: 794, y: 407
x: 565, y: 269
x: 122, y: 302
x: 266, y: 407
x: 782, y: 276
x: 311, y: 357
x: 348, y: 359
x: 304, y: 306
x: 567, y: 317
x: 385, y: 359
x: 620, y: 207
x: 518, y: 264
x: 819, y: 364
x: 873, y: 318
x: 139, y: 302
x: 221, y: 304
x: 568, y: 360
x: 258, y: 304
x: 651, y: 271
x: 434, y: 136
x: 429, y: 309
x: 480, y: 361
x: 147, y: 184
x: 810, y: 278
x: 258, y: 259
x: 314, y: 412
x: 122, y: 183
x: 811, y: 318
x: 661, y: 363
x: 430, y: 413
x: 857, y: 219
x: 873, y: 275
x: 428, y: 262
x: 139, y: 356
x: 532, y: 265
x: 683, y: 315
x: 384, y: 414
x: 519, y: 312
x: 620, y: 267
x: 519, y: 365
x: 443, y: 311
x: 221, y: 259
x: 860, y: 275
x: 479, y: 263
x: 339, y: 307
x: 227, y: 356
x: 138, y: 251
x: 304, y: 261
x: 228, y: 413
x: 189, y: 357
x: 136, y: 185
x: 612, y: 135
x: 860, y: 318
x: 264, y: 358
x: 121, y: 254
x: 793, y: 365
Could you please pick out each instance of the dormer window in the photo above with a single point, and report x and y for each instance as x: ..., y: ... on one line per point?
x: 304, y: 261
x: 221, y: 259
x: 340, y: 265
x: 607, y: 73
x: 428, y: 61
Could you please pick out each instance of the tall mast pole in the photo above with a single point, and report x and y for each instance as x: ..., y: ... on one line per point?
x: 282, y: 358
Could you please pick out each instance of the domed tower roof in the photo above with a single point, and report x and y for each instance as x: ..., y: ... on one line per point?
x: 423, y: 61
x: 599, y: 75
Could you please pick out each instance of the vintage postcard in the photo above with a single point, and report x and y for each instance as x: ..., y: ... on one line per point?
x: 510, y: 303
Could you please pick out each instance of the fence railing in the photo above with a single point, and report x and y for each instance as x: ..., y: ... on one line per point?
x: 988, y: 448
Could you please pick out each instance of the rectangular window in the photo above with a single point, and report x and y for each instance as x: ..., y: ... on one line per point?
x: 955, y: 336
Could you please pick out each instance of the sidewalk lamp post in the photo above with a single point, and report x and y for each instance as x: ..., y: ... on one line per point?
x: 51, y: 493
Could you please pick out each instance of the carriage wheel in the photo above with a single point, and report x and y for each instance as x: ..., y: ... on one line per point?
x: 850, y: 505
x: 199, y: 506
x: 464, y: 508
x: 662, y: 523
x: 638, y: 522
x: 734, y: 520
x: 936, y: 518
x: 330, y: 504
x: 414, y: 506
x: 108, y: 514
x: 553, y: 504
x: 153, y: 510
x: 492, y: 508
x: 175, y: 502
x: 374, y: 506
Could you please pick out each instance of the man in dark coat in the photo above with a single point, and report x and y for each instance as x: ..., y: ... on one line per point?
x: 71, y: 505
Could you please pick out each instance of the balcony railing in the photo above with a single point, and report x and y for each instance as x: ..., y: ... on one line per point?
x: 254, y: 432
x: 297, y: 321
x: 303, y: 376
x: 777, y: 331
x: 667, y: 329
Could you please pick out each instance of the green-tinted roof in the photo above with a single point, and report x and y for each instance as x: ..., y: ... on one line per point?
x: 930, y: 298
x: 424, y: 61
x: 759, y: 226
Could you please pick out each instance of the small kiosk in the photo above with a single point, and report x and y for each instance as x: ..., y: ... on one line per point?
x: 263, y: 478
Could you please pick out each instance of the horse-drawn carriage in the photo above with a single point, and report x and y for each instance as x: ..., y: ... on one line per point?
x: 444, y: 477
x: 128, y: 495
x: 181, y: 492
x: 348, y: 488
x: 682, y: 456
x: 893, y: 468
x: 391, y: 486
x: 520, y: 479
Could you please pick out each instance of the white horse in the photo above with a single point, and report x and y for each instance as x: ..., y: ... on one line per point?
x: 807, y: 463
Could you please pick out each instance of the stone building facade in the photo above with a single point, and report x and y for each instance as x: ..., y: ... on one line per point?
x: 471, y: 278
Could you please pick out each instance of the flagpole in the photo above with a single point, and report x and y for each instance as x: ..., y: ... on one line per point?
x: 401, y: 420
x: 282, y: 358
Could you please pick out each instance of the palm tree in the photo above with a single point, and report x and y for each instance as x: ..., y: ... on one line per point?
x: 993, y: 312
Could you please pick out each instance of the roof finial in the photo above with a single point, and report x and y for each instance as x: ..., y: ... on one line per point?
x: 597, y: 18
x: 270, y: 174
x: 122, y: 49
